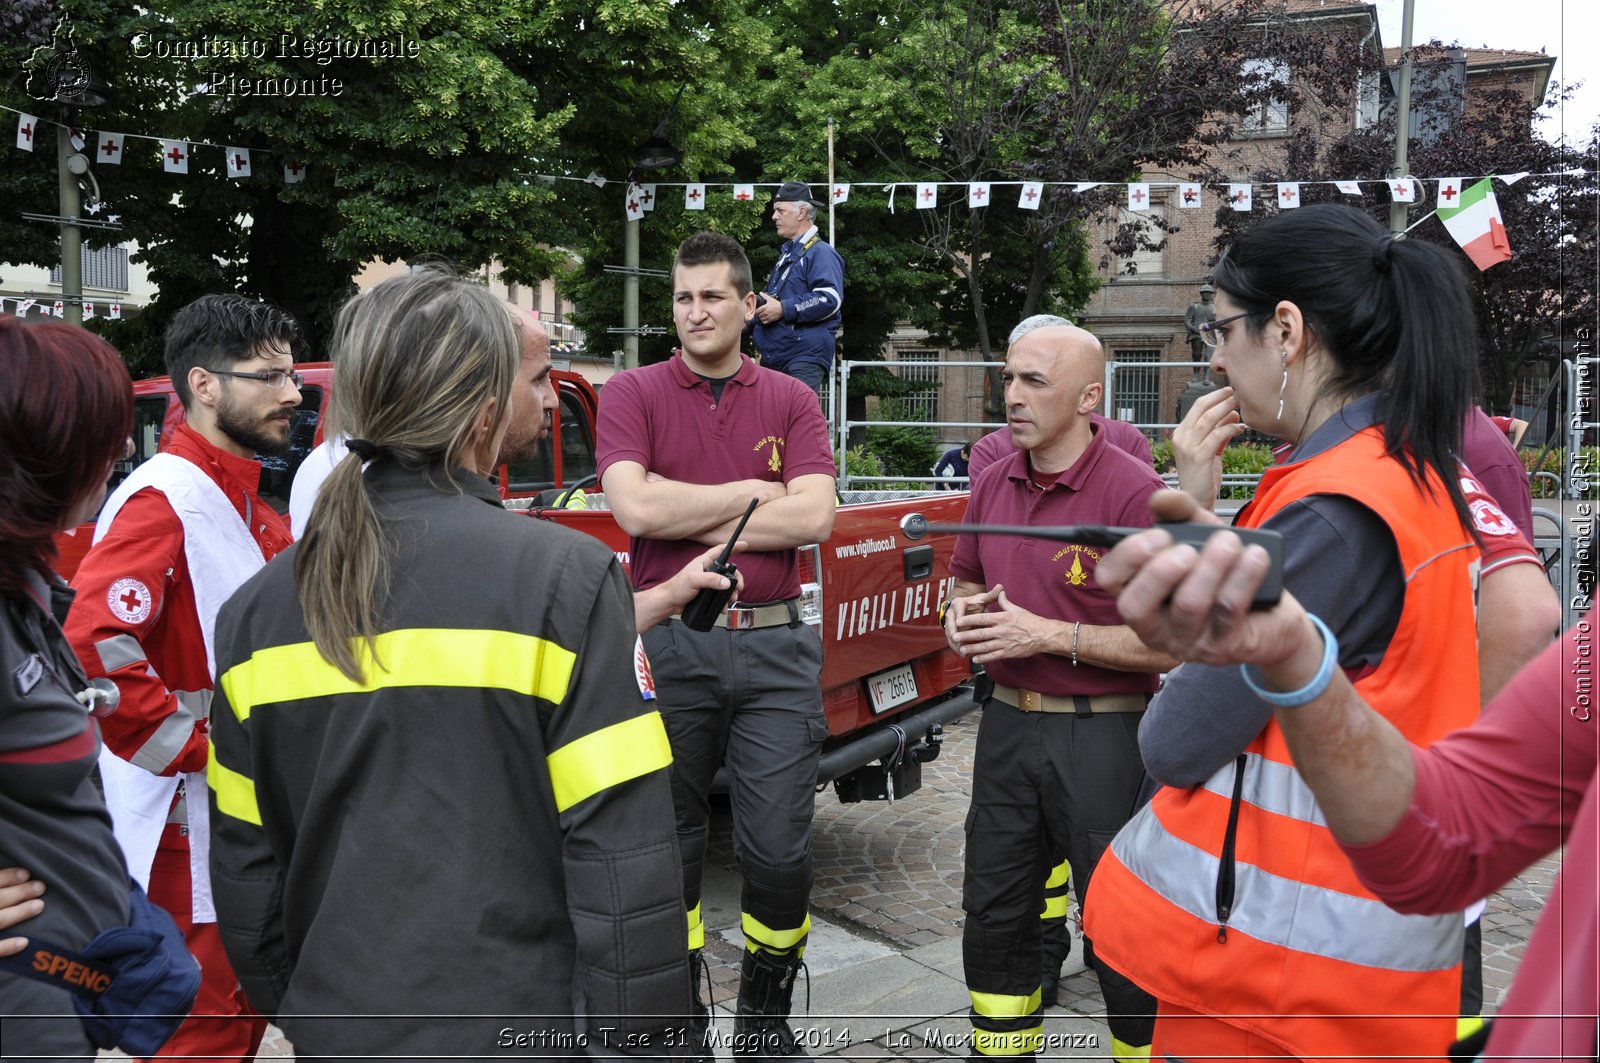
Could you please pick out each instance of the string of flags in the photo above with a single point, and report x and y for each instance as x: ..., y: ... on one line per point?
x: 175, y: 153
x: 59, y: 309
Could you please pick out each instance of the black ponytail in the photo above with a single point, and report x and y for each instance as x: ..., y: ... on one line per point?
x: 1393, y: 315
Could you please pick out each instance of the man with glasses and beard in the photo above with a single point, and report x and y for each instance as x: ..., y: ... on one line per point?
x: 171, y: 545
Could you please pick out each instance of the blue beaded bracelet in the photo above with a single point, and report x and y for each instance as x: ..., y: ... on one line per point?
x: 1312, y: 690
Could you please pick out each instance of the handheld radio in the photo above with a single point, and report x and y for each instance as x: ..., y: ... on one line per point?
x: 702, y: 612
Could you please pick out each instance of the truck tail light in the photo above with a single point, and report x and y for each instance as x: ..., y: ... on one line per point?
x: 810, y: 587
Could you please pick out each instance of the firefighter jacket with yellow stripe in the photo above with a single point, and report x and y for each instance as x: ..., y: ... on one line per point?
x: 483, y: 828
x: 1264, y: 924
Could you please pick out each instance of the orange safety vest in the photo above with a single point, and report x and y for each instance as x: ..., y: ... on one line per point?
x: 1305, y: 955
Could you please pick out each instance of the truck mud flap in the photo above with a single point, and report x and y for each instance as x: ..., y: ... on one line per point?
x: 883, y: 740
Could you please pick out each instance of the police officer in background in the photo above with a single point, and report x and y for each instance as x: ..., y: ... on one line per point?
x: 1057, y: 767
x: 798, y: 312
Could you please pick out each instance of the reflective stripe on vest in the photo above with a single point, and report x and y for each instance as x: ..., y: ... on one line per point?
x: 1186, y: 876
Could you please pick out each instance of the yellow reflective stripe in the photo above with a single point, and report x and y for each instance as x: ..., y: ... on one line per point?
x: 1058, y: 876
x: 697, y: 929
x: 1123, y: 1050
x: 412, y: 657
x: 607, y: 757
x: 1055, y: 907
x: 1009, y: 1043
x: 1467, y: 1025
x: 758, y: 935
x: 1000, y: 1006
x: 236, y: 794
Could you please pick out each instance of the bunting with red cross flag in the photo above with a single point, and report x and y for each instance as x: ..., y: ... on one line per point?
x: 1239, y: 197
x: 116, y: 311
x: 108, y: 149
x: 174, y: 156
x: 238, y: 162
x: 841, y: 193
x: 1288, y: 194
x: 1189, y: 196
x: 1349, y: 188
x: 1449, y: 193
x: 1139, y: 196
x: 694, y: 197
x: 927, y: 195
x: 632, y: 205
x: 293, y: 173
x: 744, y: 193
x: 1032, y: 192
x: 978, y: 194
x: 1403, y: 190
x: 27, y: 124
x: 647, y: 196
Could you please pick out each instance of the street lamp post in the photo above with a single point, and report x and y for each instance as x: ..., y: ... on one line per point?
x: 77, y: 88
x: 656, y: 153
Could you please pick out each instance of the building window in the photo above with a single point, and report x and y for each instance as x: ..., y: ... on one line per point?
x: 1136, y: 389
x: 1268, y: 78
x: 105, y: 268
x: 917, y: 366
x: 1145, y: 262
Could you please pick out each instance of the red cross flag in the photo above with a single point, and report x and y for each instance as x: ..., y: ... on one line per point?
x: 1449, y: 193
x: 927, y: 195
x: 175, y: 156
x: 23, y: 306
x: 1189, y: 196
x: 978, y: 194
x: 595, y: 179
x: 238, y: 162
x: 744, y: 193
x: 647, y: 196
x: 108, y: 149
x: 116, y: 311
x: 1239, y: 196
x: 59, y: 310
x: 841, y: 193
x: 694, y: 197
x: 1032, y: 192
x: 1288, y: 194
x: 1349, y: 188
x: 293, y: 173
x: 1139, y: 196
x: 1403, y: 190
x: 632, y: 204
x: 88, y: 311
x: 76, y: 137
x: 26, y: 125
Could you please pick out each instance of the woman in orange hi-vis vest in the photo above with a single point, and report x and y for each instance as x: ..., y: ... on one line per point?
x: 1227, y: 897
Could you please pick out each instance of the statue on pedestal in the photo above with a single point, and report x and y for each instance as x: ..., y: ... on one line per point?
x: 1202, y: 313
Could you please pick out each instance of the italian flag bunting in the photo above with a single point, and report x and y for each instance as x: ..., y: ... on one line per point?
x: 1475, y: 224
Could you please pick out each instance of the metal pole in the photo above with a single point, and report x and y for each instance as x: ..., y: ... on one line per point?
x: 1402, y: 125
x: 830, y: 181
x: 71, y: 235
x: 630, y: 295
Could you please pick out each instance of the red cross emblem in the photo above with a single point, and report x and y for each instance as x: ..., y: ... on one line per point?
x: 109, y: 147
x: 27, y: 132
x: 838, y: 193
x: 1449, y: 193
x: 1138, y: 195
x: 238, y: 161
x: 1188, y: 195
x: 1238, y: 197
x: 131, y: 600
x: 175, y: 155
x: 1031, y: 195
x: 694, y: 193
x: 927, y: 193
x: 295, y: 170
x: 978, y: 193
x: 742, y: 194
x: 1401, y: 190
x: 633, y: 205
x: 1287, y: 194
x: 646, y: 196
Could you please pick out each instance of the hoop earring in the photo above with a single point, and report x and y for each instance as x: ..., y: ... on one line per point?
x: 1284, y: 384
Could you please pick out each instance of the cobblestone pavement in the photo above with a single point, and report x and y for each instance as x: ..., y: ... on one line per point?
x: 889, y: 882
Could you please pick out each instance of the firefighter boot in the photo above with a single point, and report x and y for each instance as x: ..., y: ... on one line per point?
x: 761, y: 1020
x: 700, y: 1043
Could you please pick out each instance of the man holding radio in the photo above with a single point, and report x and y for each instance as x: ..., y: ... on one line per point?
x: 684, y: 445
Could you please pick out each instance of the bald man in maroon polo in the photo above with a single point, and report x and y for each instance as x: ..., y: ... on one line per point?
x: 1057, y: 765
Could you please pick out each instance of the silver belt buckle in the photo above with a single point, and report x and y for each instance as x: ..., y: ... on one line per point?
x: 740, y: 619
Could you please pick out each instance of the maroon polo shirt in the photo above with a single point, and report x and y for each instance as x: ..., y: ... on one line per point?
x: 767, y: 426
x: 1054, y: 579
x: 996, y: 446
